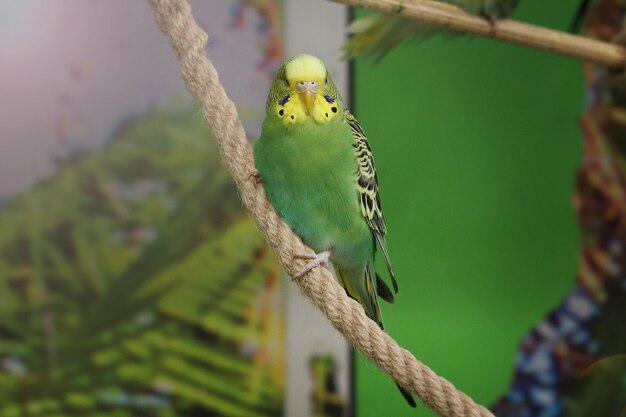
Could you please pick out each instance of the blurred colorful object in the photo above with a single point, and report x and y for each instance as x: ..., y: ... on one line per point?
x: 326, y: 400
x: 572, y: 364
x: 134, y: 283
x: 268, y: 29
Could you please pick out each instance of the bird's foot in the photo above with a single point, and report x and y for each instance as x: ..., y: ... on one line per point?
x: 493, y: 22
x: 322, y: 258
x: 254, y: 175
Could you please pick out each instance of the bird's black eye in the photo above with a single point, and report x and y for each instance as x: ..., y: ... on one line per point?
x: 326, y: 80
x: 286, y: 82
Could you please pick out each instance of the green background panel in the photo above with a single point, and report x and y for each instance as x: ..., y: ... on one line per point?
x: 476, y: 144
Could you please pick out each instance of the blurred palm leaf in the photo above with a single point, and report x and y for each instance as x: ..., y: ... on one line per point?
x: 133, y: 283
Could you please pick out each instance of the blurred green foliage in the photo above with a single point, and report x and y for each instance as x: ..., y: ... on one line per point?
x: 133, y: 283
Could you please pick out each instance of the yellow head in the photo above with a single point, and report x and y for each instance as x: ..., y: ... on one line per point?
x: 303, y: 90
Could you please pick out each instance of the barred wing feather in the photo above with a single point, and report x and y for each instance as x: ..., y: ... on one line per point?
x: 367, y: 188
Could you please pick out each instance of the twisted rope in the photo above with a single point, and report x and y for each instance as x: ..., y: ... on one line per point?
x: 346, y: 315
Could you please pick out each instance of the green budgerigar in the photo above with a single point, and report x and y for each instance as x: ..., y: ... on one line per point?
x: 378, y: 34
x: 318, y: 172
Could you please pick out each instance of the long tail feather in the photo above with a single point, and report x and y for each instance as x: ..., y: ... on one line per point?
x: 382, y: 244
x: 383, y: 290
x: 361, y: 285
x: 362, y: 290
x: 407, y: 396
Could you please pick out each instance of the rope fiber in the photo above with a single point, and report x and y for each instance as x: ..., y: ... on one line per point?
x: 346, y: 315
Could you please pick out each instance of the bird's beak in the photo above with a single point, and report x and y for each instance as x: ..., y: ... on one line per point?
x: 308, y: 99
x: 307, y: 91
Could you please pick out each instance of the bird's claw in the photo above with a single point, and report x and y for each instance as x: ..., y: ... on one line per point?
x: 322, y: 258
x: 493, y: 22
x: 254, y: 174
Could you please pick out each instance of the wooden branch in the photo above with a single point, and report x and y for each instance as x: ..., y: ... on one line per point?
x: 453, y: 18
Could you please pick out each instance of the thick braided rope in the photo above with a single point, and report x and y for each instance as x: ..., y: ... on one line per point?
x: 346, y: 315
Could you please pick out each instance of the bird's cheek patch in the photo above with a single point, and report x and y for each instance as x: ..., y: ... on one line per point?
x: 324, y: 110
x: 289, y: 111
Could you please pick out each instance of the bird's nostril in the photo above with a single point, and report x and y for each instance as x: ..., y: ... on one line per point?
x: 302, y: 86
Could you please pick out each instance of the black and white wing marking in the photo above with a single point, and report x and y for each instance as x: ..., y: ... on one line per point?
x: 369, y: 199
